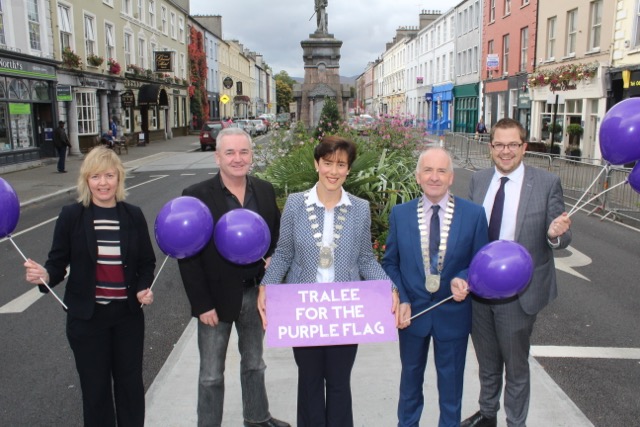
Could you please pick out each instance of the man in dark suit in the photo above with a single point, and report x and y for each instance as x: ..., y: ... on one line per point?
x: 221, y: 292
x: 531, y: 212
x: 62, y: 144
x: 431, y: 242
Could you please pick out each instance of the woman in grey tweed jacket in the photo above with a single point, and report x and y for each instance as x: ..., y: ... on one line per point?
x: 325, y: 237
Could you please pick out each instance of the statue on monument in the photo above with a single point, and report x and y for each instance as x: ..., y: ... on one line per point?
x: 321, y: 16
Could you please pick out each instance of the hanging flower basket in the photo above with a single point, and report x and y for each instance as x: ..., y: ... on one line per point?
x: 95, y: 60
x: 114, y: 67
x: 561, y: 77
x: 70, y: 59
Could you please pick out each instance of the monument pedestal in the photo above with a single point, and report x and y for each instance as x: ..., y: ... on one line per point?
x: 321, y: 55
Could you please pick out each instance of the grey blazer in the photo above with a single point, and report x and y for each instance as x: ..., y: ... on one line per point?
x: 541, y: 201
x: 296, y: 257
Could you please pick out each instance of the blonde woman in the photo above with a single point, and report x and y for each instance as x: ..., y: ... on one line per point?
x: 106, y: 244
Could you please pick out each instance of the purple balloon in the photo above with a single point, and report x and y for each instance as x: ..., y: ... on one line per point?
x: 183, y: 227
x: 634, y: 178
x: 10, y: 206
x: 620, y: 132
x: 500, y: 269
x: 242, y: 236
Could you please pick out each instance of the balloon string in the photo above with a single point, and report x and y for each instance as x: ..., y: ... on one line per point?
x: 41, y: 279
x: 157, y: 274
x: 587, y: 190
x: 428, y: 309
x: 595, y: 197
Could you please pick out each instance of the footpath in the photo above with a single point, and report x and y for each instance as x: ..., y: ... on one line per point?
x: 171, y: 399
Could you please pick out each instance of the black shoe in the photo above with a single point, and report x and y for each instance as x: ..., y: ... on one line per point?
x: 271, y: 422
x: 479, y: 420
x: 62, y: 171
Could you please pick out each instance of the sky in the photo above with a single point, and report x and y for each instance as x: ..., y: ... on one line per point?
x: 275, y: 28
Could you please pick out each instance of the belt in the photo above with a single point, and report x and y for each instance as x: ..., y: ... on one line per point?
x: 494, y: 301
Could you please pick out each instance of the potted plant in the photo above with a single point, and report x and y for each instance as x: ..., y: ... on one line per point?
x: 70, y: 58
x: 114, y: 67
x: 95, y: 60
x: 574, y: 131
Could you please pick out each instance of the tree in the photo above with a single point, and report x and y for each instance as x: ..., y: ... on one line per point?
x: 284, y: 90
x: 198, y: 74
x: 330, y: 119
x: 284, y: 95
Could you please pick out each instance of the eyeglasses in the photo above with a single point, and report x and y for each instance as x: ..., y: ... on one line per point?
x: 512, y: 147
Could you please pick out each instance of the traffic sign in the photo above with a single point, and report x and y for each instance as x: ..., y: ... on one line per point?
x: 224, y: 99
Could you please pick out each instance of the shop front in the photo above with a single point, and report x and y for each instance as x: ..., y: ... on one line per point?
x: 440, y: 117
x: 27, y: 113
x: 465, y: 110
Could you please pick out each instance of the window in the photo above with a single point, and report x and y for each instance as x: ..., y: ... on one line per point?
x: 505, y: 54
x: 152, y: 14
x: 127, y: 7
x: 163, y: 18
x: 181, y: 30
x: 551, y: 37
x: 110, y: 42
x: 172, y: 25
x: 89, y: 35
x: 140, y: 10
x: 34, y: 24
x: 490, y: 46
x: 40, y: 91
x: 475, y: 59
x: 572, y: 32
x: 18, y: 89
x: 2, y: 39
x: 596, y: 25
x: 183, y: 66
x: 64, y: 24
x: 142, y: 53
x: 507, y: 7
x: 636, y: 39
x: 128, y: 54
x: 524, y: 2
x: 87, y: 114
x: 492, y: 11
x: 524, y: 48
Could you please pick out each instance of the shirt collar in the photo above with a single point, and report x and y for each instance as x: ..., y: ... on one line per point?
x: 516, y: 176
x: 442, y: 203
x: 312, y: 199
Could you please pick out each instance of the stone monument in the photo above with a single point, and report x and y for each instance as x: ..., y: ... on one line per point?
x: 321, y: 55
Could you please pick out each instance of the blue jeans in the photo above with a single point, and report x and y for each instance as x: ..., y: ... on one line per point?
x: 62, y: 153
x: 213, y: 342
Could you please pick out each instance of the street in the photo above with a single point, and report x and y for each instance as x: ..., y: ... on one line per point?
x: 586, y: 340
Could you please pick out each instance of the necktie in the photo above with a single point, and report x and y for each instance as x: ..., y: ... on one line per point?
x: 496, y: 213
x: 434, y: 239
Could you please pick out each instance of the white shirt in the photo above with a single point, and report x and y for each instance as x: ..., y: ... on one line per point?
x: 512, y: 190
x: 327, y: 275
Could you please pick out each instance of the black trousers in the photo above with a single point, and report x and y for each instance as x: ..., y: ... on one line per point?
x: 323, y: 369
x: 108, y: 352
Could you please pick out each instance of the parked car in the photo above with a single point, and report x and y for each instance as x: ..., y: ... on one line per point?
x: 362, y: 124
x: 247, y: 126
x: 284, y: 120
x: 261, y: 128
x: 208, y: 134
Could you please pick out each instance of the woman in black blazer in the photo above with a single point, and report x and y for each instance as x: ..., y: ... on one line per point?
x: 106, y: 244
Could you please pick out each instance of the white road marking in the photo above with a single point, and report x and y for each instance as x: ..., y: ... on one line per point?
x: 24, y: 301
x: 576, y: 259
x: 585, y: 352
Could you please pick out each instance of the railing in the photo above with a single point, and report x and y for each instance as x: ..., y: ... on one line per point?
x: 581, y: 179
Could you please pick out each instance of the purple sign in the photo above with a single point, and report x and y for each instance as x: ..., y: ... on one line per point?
x: 313, y: 314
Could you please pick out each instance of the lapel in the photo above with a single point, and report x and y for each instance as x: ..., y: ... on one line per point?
x: 525, y: 197
x: 123, y: 217
x: 90, y: 232
x: 454, y: 232
x: 414, y: 234
x: 483, y: 187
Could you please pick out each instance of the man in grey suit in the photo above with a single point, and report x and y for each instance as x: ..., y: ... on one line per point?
x: 530, y: 211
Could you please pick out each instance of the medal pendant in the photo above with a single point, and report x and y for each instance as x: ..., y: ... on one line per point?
x: 326, y: 257
x: 433, y: 282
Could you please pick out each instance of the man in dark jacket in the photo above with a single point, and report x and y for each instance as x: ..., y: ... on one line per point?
x: 61, y: 142
x: 222, y: 293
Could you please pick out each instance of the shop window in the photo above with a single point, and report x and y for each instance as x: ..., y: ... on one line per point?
x: 21, y: 128
x: 86, y: 108
x: 18, y: 89
x: 40, y: 91
x: 5, y: 143
x: 126, y: 121
x: 3, y: 92
x: 153, y: 118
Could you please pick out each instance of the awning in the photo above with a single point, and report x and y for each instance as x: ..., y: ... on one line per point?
x: 153, y: 94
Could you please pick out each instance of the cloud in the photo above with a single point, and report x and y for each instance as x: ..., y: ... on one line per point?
x: 275, y: 28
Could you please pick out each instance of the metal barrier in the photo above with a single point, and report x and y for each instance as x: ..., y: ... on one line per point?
x: 577, y: 176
